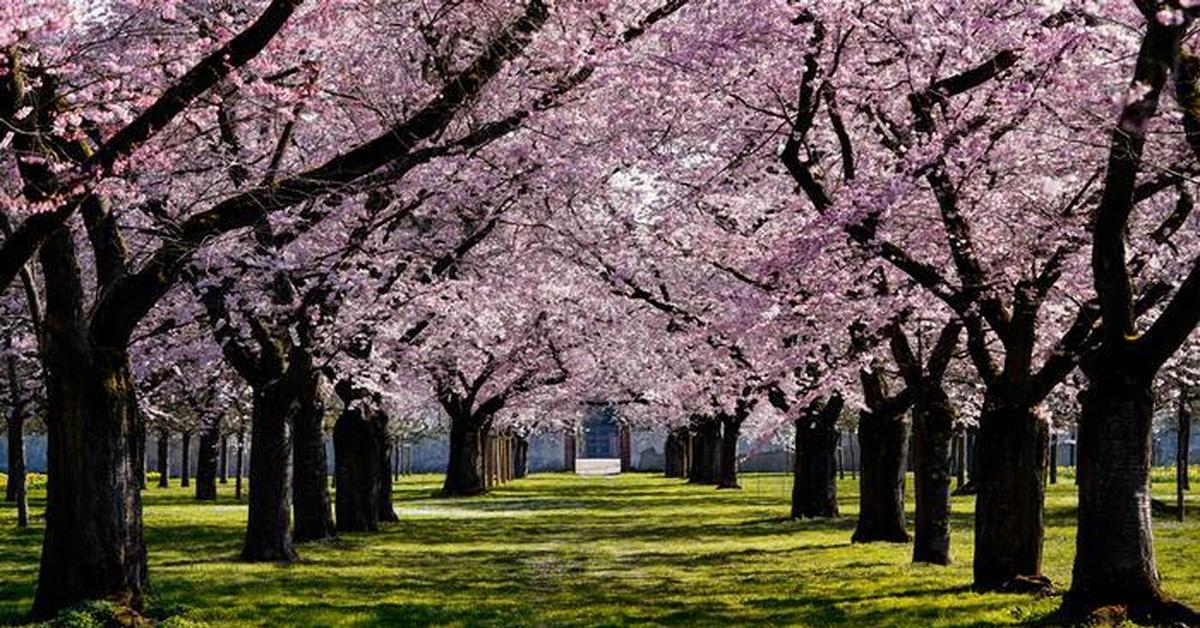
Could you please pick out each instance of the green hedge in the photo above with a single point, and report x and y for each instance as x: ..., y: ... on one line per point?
x: 1158, y: 475
x: 36, y: 481
x: 33, y: 481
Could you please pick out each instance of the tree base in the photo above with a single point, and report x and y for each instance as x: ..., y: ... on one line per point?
x: 473, y: 492
x: 357, y: 526
x: 734, y: 486
x: 932, y: 559
x: 273, y: 556
x: 874, y: 536
x: 802, y: 517
x: 331, y: 535
x: 1028, y: 585
x: 268, y: 555
x: 970, y: 488
x: 1161, y: 611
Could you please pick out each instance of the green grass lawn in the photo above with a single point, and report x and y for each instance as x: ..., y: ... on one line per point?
x: 561, y: 550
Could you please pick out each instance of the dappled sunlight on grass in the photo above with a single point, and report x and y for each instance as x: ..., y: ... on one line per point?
x: 558, y: 549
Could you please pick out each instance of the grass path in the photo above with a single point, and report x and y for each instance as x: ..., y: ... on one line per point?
x: 560, y: 550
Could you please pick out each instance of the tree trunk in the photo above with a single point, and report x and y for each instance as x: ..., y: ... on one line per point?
x: 1054, y: 458
x: 971, y: 454
x: 675, y: 454
x: 1183, y: 450
x: 16, y: 453
x: 358, y: 475
x: 139, y: 464
x: 383, y: 444
x: 239, y: 470
x: 269, y: 530
x: 814, y: 490
x: 706, y: 451
x: 164, y: 459
x: 1114, y: 543
x: 310, y: 484
x: 569, y: 451
x: 522, y: 469
x: 1010, y: 474
x: 92, y: 546
x: 883, y: 441
x: 16, y: 490
x: 731, y: 430
x: 22, y: 500
x: 463, y: 472
x: 624, y: 447
x: 960, y: 460
x: 840, y: 459
x: 671, y: 455
x: 933, y: 425
x: 185, y: 462
x: 504, y: 468
x: 485, y: 461
x: 972, y: 444
x: 206, y: 464
x: 223, y: 465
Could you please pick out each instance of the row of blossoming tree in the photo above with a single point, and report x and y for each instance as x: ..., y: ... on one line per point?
x: 503, y: 212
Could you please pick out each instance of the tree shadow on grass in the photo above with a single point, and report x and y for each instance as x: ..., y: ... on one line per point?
x: 552, y: 550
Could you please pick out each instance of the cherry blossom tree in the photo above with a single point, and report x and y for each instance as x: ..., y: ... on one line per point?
x: 1114, y: 560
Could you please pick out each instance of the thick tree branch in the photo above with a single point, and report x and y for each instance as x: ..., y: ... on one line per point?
x: 1156, y: 57
x: 20, y: 247
x: 120, y: 308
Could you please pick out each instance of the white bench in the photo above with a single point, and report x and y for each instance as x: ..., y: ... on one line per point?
x: 598, y: 466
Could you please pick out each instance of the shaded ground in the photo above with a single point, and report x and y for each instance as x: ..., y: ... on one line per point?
x: 561, y: 550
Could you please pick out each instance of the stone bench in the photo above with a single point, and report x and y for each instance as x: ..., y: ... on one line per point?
x: 598, y: 466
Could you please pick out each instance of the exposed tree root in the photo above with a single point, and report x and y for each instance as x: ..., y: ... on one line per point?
x: 1159, y: 612
x: 1031, y: 585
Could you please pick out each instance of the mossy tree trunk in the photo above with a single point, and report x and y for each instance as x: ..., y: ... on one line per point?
x: 93, y: 546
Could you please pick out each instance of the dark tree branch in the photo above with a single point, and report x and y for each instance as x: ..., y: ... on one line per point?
x: 20, y: 247
x: 120, y: 308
